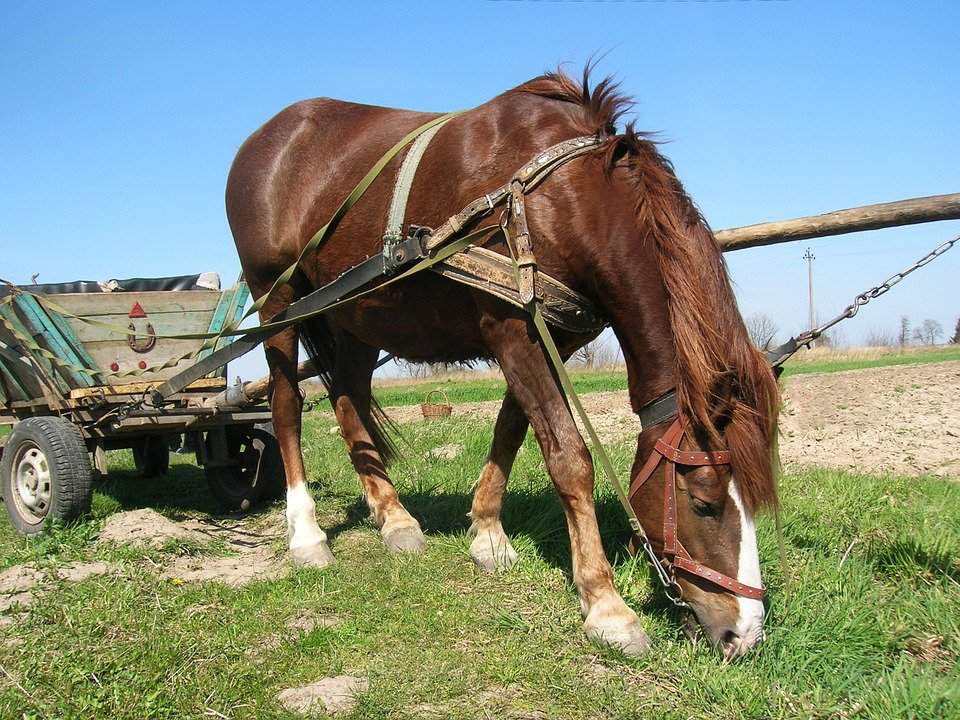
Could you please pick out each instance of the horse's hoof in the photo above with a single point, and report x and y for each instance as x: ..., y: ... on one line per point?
x: 620, y: 632
x: 493, y: 551
x: 405, y: 540
x: 317, y: 555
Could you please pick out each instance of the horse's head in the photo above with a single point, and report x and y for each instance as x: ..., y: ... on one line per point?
x: 685, y: 491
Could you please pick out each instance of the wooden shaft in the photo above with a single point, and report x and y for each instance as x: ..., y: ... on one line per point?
x: 249, y: 392
x: 868, y: 217
x: 256, y: 389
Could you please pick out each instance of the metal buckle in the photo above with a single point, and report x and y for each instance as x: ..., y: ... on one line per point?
x: 398, y: 253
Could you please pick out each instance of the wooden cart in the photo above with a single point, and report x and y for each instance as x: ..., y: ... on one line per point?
x: 64, y: 350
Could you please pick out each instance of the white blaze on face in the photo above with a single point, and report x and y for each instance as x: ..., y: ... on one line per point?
x: 750, y: 620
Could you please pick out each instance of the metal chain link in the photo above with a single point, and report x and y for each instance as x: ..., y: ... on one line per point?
x: 805, y: 338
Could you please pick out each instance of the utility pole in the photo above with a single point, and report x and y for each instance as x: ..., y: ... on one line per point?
x: 809, y: 257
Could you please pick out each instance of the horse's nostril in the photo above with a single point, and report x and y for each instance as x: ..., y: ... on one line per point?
x: 729, y: 638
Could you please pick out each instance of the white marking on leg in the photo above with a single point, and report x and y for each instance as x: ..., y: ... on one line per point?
x: 750, y: 620
x: 302, y: 527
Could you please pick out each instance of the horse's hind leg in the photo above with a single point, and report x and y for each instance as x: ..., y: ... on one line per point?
x: 350, y: 396
x: 607, y: 619
x: 491, y: 549
x: 308, y: 543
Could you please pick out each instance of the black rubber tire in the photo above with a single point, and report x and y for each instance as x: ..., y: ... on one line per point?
x: 259, y: 478
x: 67, y: 462
x: 152, y: 456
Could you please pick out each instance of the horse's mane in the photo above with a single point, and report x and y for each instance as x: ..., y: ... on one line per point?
x: 724, y: 385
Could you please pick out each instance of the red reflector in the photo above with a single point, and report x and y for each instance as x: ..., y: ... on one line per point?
x: 114, y: 366
x: 142, y: 365
x: 136, y: 311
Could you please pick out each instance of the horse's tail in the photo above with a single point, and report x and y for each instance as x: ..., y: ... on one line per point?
x: 321, y: 346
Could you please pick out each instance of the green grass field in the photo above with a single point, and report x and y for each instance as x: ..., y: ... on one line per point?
x: 876, y: 635
x: 464, y: 389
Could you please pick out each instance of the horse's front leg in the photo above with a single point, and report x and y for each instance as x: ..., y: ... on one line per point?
x: 350, y: 396
x: 307, y: 542
x: 607, y: 619
x: 491, y: 548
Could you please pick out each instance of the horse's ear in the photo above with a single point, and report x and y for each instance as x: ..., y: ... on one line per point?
x: 777, y: 371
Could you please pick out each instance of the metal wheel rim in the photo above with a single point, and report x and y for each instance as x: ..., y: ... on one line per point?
x: 32, y: 483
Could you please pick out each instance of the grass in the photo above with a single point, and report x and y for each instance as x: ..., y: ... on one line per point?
x: 463, y: 388
x: 467, y: 387
x: 874, y: 635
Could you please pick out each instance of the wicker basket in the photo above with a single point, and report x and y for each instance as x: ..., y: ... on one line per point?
x: 436, y: 409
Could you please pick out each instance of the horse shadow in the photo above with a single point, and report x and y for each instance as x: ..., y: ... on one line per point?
x: 529, y: 516
x: 532, y: 516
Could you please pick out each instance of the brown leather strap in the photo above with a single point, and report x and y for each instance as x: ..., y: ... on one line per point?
x: 670, y: 510
x: 684, y: 562
x: 672, y: 435
x: 683, y: 457
x: 521, y: 245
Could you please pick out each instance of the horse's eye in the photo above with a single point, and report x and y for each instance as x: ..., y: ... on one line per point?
x: 703, y: 508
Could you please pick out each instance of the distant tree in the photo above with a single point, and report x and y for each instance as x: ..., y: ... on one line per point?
x: 762, y: 330
x: 956, y: 333
x: 929, y: 332
x: 903, y: 338
x: 834, y: 339
x: 586, y: 356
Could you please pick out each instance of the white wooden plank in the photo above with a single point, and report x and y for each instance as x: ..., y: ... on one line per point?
x: 106, y: 352
x: 183, y: 323
x: 94, y: 304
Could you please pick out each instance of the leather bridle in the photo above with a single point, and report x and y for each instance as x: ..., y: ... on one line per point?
x: 675, y: 555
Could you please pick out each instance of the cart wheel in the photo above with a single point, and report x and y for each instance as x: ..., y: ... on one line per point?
x: 152, y: 456
x: 255, y: 474
x: 46, y: 473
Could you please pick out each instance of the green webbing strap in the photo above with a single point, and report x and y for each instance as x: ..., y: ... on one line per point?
x: 401, y: 188
x: 323, y: 233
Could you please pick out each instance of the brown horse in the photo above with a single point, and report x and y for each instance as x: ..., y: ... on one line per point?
x: 615, y: 225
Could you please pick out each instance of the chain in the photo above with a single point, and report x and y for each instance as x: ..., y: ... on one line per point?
x: 667, y: 577
x: 805, y: 338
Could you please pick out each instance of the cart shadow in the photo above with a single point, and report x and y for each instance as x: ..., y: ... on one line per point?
x: 180, y: 492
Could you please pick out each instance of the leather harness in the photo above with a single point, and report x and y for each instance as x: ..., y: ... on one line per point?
x: 536, y: 292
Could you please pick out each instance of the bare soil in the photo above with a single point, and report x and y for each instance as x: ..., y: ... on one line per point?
x: 901, y: 419
x: 332, y: 695
x: 250, y: 542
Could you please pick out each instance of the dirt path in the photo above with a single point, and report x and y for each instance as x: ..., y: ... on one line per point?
x: 903, y: 419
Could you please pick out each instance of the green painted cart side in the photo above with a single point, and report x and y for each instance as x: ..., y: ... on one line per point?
x: 11, y: 385
x: 228, y: 310
x: 54, y: 338
x: 46, y: 366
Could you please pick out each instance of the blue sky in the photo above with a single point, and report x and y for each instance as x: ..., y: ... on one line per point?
x: 118, y: 121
